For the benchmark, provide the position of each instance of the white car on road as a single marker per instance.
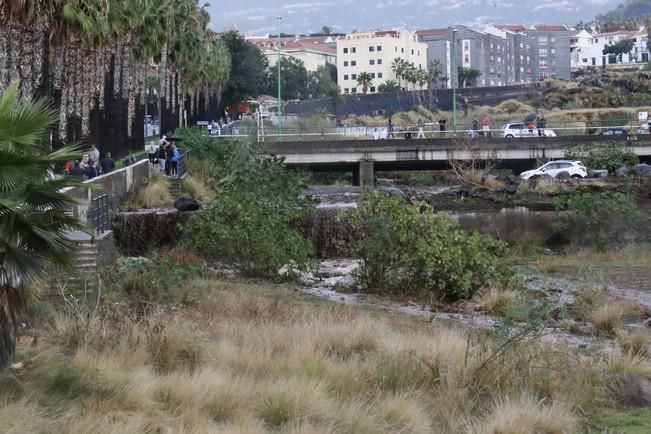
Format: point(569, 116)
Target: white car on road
point(575, 169)
point(521, 130)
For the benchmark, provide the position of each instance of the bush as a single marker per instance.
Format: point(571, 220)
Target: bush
point(253, 225)
point(408, 250)
point(596, 212)
point(610, 157)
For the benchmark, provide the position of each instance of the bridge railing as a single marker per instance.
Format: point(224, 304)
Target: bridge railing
point(430, 130)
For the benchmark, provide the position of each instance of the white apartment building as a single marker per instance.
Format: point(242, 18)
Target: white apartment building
point(586, 49)
point(374, 52)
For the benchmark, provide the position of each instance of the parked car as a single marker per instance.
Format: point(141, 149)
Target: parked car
point(521, 130)
point(575, 169)
point(614, 131)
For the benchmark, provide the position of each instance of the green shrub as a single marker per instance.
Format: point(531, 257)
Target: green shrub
point(609, 156)
point(596, 212)
point(406, 249)
point(253, 225)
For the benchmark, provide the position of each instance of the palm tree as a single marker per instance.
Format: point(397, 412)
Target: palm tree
point(389, 86)
point(398, 66)
point(33, 223)
point(365, 80)
point(434, 72)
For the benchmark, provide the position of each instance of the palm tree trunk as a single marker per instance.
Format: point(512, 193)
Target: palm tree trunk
point(11, 309)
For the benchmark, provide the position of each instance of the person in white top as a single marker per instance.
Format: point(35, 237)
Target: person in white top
point(93, 155)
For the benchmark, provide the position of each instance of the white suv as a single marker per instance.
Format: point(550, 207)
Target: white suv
point(520, 130)
point(575, 169)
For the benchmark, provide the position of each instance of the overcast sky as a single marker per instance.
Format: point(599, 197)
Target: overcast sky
point(259, 16)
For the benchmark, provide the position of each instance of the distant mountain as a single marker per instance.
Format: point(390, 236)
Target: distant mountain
point(630, 9)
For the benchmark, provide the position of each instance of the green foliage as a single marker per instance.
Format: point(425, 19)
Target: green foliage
point(159, 278)
point(596, 212)
point(408, 250)
point(322, 83)
point(622, 47)
point(389, 86)
point(364, 80)
point(293, 79)
point(468, 75)
point(248, 70)
point(608, 156)
point(203, 147)
point(252, 225)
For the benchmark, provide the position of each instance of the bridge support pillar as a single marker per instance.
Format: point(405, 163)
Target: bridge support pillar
point(365, 176)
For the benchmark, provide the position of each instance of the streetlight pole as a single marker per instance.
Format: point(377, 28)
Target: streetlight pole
point(279, 109)
point(455, 75)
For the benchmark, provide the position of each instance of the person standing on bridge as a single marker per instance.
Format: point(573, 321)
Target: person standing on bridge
point(390, 130)
point(541, 124)
point(442, 123)
point(486, 125)
point(421, 129)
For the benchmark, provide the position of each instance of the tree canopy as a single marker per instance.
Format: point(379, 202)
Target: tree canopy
point(468, 75)
point(293, 79)
point(321, 83)
point(622, 47)
point(248, 69)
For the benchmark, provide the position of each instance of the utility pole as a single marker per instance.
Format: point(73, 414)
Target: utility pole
point(455, 75)
point(280, 104)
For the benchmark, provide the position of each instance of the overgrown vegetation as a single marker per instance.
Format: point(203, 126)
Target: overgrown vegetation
point(596, 212)
point(609, 156)
point(407, 249)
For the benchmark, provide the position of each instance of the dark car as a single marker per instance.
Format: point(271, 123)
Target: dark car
point(616, 131)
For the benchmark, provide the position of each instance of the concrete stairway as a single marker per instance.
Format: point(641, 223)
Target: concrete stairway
point(85, 263)
point(176, 187)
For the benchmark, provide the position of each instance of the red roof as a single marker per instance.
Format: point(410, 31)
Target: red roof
point(314, 46)
point(511, 27)
point(554, 28)
point(387, 32)
point(432, 32)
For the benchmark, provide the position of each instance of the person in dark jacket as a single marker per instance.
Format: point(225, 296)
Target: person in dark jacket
point(162, 156)
point(108, 164)
point(91, 172)
point(541, 124)
point(169, 153)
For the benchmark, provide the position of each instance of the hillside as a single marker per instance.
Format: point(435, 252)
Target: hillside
point(628, 10)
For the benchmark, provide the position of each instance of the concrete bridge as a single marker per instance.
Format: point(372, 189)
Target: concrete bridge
point(363, 157)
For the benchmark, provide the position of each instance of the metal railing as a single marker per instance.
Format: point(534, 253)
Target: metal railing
point(98, 215)
point(431, 130)
point(181, 168)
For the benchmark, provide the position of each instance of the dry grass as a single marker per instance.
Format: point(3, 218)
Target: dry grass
point(197, 189)
point(258, 358)
point(526, 415)
point(156, 194)
point(607, 317)
point(497, 301)
point(635, 341)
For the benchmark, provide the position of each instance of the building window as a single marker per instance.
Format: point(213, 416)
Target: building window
point(345, 77)
point(346, 90)
point(353, 90)
point(412, 51)
point(345, 63)
point(379, 75)
point(371, 62)
point(372, 74)
point(543, 63)
point(542, 42)
point(372, 89)
point(353, 50)
point(353, 77)
point(402, 50)
point(353, 63)
point(371, 48)
point(379, 48)
point(552, 51)
point(345, 50)
point(542, 75)
point(552, 40)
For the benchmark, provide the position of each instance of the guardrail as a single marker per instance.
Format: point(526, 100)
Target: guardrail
point(429, 131)
point(181, 168)
point(98, 214)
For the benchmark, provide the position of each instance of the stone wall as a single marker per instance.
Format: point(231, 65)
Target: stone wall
point(118, 185)
point(393, 102)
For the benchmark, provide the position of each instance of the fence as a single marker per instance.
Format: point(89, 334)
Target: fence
point(98, 214)
point(431, 130)
point(181, 168)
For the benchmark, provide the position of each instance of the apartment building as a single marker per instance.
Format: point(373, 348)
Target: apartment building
point(312, 51)
point(374, 53)
point(503, 54)
point(586, 49)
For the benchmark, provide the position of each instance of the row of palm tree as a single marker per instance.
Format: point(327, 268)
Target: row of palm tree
point(408, 72)
point(71, 47)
